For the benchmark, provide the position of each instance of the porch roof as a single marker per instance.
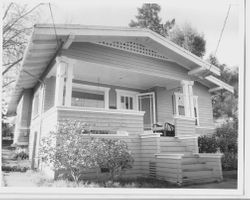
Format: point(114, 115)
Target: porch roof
point(44, 46)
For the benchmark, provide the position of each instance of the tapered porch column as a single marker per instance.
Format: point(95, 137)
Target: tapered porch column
point(64, 76)
point(187, 87)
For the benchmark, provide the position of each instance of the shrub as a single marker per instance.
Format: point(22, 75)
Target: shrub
point(225, 140)
point(113, 156)
point(227, 136)
point(67, 150)
point(70, 150)
point(229, 161)
point(207, 144)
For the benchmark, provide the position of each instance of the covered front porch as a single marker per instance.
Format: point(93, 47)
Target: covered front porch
point(120, 99)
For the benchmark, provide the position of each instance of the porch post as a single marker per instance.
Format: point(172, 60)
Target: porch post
point(60, 81)
point(188, 98)
point(69, 77)
point(64, 76)
point(191, 100)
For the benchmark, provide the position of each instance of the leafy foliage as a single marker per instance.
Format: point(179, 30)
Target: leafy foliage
point(148, 18)
point(207, 144)
point(113, 155)
point(69, 150)
point(225, 104)
point(224, 140)
point(188, 38)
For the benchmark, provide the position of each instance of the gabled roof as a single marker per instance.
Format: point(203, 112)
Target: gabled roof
point(44, 46)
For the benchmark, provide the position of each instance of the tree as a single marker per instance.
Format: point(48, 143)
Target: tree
point(188, 38)
point(17, 25)
point(18, 20)
point(148, 18)
point(225, 104)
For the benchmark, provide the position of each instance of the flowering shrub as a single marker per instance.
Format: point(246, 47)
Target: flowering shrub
point(69, 149)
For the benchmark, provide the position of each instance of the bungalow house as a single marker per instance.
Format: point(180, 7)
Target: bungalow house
point(123, 80)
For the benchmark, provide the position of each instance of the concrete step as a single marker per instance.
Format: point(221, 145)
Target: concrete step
point(188, 181)
point(171, 143)
point(173, 149)
point(189, 160)
point(195, 167)
point(206, 173)
point(185, 153)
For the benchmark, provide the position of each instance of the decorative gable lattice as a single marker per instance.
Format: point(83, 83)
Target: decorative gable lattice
point(133, 47)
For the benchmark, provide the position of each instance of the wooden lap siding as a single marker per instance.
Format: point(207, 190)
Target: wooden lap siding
point(184, 127)
point(205, 109)
point(131, 123)
point(148, 151)
point(104, 120)
point(117, 58)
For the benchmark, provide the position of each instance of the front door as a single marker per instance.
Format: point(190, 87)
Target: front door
point(146, 102)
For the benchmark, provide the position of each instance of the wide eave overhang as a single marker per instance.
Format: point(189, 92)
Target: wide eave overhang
point(44, 46)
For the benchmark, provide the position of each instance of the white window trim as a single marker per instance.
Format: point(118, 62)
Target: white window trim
point(95, 88)
point(128, 93)
point(154, 109)
point(177, 94)
point(186, 117)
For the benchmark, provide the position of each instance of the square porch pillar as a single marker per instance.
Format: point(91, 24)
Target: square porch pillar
point(64, 76)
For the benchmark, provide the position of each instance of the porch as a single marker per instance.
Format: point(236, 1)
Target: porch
point(112, 98)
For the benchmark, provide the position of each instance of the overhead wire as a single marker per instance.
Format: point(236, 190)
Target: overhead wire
point(220, 37)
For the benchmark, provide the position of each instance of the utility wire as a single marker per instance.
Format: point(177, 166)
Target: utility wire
point(221, 34)
point(57, 40)
point(224, 25)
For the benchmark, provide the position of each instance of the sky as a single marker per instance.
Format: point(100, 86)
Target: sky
point(206, 16)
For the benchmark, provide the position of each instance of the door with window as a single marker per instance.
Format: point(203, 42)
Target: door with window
point(146, 103)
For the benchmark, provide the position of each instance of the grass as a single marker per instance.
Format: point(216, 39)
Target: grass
point(120, 183)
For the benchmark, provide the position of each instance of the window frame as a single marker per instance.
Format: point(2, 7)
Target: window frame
point(195, 104)
point(93, 88)
point(126, 93)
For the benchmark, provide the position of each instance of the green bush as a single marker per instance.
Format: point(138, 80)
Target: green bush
point(207, 144)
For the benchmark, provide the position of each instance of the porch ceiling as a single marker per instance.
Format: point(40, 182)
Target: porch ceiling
point(98, 73)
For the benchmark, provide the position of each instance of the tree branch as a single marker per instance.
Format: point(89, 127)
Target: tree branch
point(7, 10)
point(8, 83)
point(9, 67)
point(22, 16)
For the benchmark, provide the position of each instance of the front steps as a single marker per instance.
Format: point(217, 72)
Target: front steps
point(192, 167)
